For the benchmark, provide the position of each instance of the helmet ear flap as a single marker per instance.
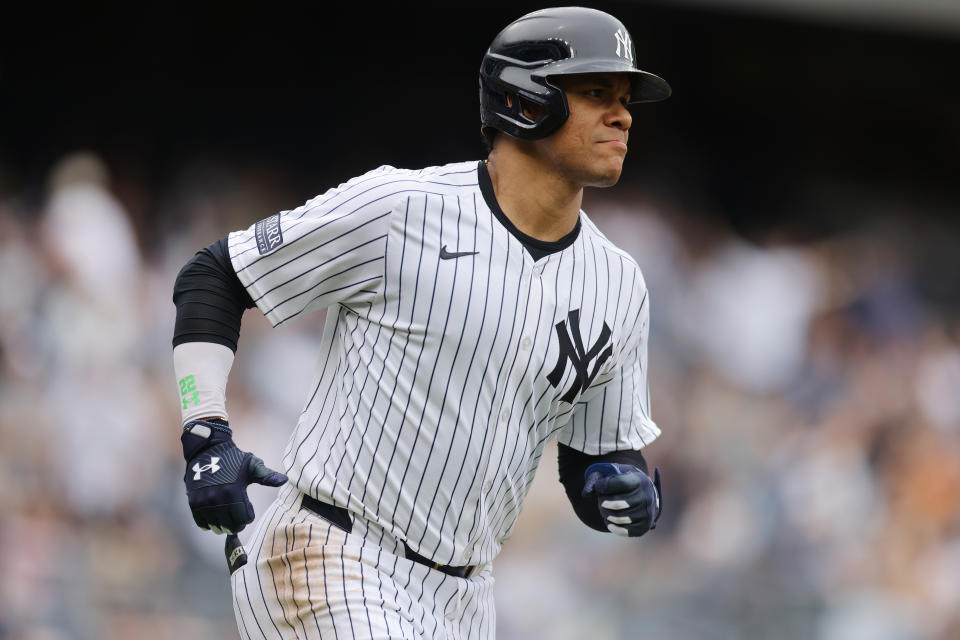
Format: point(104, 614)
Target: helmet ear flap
point(520, 113)
point(523, 108)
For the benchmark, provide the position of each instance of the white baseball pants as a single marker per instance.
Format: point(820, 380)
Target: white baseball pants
point(306, 578)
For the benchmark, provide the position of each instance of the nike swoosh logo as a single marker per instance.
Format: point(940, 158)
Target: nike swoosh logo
point(446, 255)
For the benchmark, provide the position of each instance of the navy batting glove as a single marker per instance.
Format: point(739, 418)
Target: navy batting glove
point(629, 501)
point(217, 477)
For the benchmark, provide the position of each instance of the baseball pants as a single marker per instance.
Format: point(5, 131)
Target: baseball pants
point(306, 578)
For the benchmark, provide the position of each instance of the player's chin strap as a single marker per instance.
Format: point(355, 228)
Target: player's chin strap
point(236, 554)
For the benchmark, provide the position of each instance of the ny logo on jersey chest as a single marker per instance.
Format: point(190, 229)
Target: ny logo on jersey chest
point(572, 349)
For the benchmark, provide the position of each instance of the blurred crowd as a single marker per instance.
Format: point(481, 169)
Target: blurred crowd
point(808, 392)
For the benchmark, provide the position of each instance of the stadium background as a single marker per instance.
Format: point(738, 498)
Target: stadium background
point(794, 207)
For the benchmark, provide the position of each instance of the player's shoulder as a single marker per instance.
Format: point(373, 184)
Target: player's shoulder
point(615, 255)
point(455, 174)
point(386, 188)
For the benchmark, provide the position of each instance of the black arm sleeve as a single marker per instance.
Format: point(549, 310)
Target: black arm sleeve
point(573, 463)
point(210, 299)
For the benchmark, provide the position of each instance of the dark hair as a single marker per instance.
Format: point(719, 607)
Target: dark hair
point(489, 135)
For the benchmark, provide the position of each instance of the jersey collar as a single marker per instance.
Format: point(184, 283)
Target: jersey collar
point(535, 247)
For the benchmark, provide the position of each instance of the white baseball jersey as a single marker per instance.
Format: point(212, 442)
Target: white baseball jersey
point(449, 356)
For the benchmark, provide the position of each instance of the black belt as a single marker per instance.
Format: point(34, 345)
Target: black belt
point(340, 517)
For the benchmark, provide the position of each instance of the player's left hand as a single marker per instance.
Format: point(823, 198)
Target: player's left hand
point(217, 477)
point(629, 501)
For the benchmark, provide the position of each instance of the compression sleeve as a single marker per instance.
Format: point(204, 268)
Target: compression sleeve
point(573, 463)
point(210, 299)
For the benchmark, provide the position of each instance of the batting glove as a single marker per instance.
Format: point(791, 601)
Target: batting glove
point(628, 499)
point(217, 477)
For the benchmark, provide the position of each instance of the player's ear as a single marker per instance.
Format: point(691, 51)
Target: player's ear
point(531, 110)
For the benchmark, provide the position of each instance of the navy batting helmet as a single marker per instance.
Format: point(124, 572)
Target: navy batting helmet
point(529, 52)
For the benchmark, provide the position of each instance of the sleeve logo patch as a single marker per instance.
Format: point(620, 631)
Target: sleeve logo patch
point(268, 234)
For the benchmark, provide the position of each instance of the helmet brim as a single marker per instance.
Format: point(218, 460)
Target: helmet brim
point(647, 87)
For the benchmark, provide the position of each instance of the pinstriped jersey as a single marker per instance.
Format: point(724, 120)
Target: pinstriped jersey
point(449, 356)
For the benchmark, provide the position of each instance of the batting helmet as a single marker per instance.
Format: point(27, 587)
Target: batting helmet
point(529, 52)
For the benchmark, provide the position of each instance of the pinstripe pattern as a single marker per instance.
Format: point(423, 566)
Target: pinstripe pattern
point(338, 585)
point(431, 405)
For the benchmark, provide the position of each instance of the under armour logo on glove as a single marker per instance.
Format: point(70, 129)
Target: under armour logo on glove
point(629, 501)
point(217, 490)
point(213, 467)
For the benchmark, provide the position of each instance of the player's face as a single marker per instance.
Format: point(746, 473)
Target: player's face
point(590, 146)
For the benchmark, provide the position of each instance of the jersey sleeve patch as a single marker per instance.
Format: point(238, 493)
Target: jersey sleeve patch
point(268, 233)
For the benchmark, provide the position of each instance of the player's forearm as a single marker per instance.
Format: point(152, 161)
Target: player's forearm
point(202, 369)
point(210, 302)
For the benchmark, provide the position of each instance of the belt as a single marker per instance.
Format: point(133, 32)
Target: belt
point(340, 517)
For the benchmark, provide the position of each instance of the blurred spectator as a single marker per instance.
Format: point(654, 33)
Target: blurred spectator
point(749, 310)
point(102, 422)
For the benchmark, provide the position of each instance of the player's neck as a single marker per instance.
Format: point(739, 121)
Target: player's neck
point(539, 202)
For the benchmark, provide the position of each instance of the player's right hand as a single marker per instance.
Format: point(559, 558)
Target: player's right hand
point(218, 474)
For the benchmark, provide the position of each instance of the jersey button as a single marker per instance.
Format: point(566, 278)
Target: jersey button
point(538, 270)
point(526, 343)
point(505, 416)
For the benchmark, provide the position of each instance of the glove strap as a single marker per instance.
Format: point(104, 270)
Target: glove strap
point(199, 434)
point(656, 485)
point(214, 424)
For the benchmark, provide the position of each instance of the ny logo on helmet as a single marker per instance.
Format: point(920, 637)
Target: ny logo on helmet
point(623, 38)
point(572, 350)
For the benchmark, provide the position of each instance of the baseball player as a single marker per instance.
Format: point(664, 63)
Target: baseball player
point(474, 312)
